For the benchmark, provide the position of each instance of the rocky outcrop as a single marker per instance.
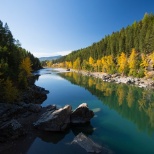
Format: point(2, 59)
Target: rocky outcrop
point(81, 114)
point(87, 143)
point(54, 119)
point(31, 107)
point(11, 130)
point(35, 94)
point(16, 118)
point(7, 111)
point(11, 116)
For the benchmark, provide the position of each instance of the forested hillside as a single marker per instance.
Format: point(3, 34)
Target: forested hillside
point(16, 65)
point(129, 51)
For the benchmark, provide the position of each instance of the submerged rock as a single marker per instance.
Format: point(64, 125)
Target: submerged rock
point(81, 114)
point(95, 110)
point(87, 143)
point(54, 120)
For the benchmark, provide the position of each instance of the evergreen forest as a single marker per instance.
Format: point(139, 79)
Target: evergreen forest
point(16, 65)
point(129, 51)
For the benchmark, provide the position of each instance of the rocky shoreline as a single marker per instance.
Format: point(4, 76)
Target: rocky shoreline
point(117, 78)
point(27, 119)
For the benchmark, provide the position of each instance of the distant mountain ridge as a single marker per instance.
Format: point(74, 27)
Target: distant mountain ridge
point(50, 58)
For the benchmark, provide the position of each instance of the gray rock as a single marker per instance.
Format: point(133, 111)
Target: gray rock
point(115, 75)
point(34, 107)
point(11, 130)
point(81, 114)
point(35, 94)
point(54, 120)
point(4, 108)
point(87, 143)
point(29, 107)
point(106, 77)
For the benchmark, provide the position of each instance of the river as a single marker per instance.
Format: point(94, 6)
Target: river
point(123, 121)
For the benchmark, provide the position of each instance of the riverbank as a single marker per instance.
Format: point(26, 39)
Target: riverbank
point(22, 122)
point(16, 118)
point(117, 78)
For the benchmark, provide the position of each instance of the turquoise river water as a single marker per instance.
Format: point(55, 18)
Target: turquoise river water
point(123, 121)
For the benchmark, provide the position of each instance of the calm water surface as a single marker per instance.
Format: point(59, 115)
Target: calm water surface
point(124, 115)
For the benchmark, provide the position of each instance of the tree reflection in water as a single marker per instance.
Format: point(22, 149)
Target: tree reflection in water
point(133, 103)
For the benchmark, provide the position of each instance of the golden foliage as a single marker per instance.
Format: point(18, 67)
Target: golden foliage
point(26, 66)
point(25, 72)
point(76, 63)
point(108, 64)
point(122, 63)
point(91, 61)
point(132, 62)
point(10, 92)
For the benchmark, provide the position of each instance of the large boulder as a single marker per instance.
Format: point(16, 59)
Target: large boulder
point(54, 119)
point(81, 114)
point(87, 143)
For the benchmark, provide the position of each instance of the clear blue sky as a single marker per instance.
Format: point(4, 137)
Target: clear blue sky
point(53, 27)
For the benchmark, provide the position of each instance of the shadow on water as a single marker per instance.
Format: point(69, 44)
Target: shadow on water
point(55, 137)
point(87, 129)
point(52, 137)
point(24, 143)
point(20, 146)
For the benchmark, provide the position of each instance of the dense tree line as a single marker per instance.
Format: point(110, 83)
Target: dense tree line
point(16, 65)
point(129, 51)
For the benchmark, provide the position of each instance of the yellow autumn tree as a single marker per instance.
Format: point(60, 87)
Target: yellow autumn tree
point(122, 63)
point(151, 58)
point(49, 64)
point(25, 72)
point(70, 64)
point(91, 63)
point(26, 66)
point(11, 93)
point(108, 64)
point(85, 65)
point(143, 65)
point(132, 63)
point(67, 64)
point(99, 65)
point(76, 64)
point(104, 64)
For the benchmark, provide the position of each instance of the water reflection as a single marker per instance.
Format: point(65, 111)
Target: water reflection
point(87, 129)
point(55, 137)
point(133, 103)
point(52, 137)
